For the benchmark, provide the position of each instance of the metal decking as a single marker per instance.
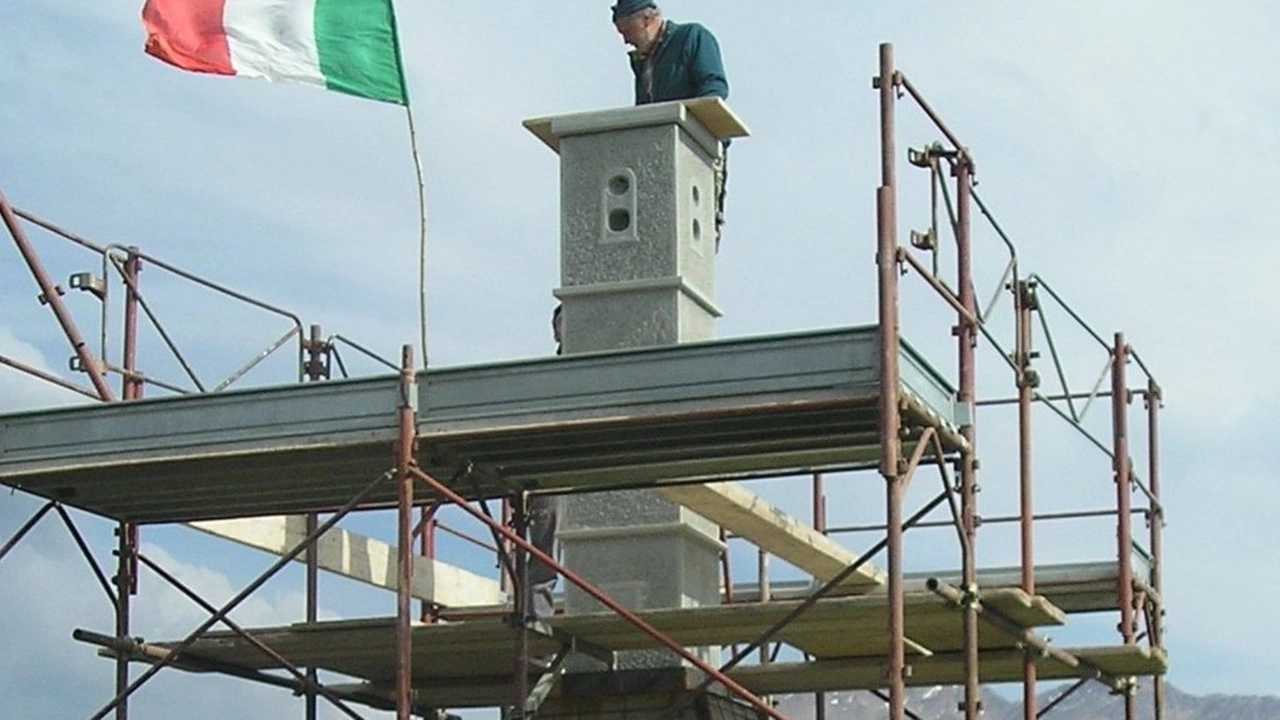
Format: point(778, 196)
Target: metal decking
point(720, 409)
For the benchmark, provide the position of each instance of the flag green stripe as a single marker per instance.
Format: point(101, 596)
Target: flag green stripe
point(356, 40)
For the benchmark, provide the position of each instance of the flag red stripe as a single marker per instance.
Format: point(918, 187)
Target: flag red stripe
point(188, 34)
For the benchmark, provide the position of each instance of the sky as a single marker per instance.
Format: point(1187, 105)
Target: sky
point(1123, 146)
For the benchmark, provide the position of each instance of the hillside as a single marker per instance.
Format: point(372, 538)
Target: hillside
point(1092, 702)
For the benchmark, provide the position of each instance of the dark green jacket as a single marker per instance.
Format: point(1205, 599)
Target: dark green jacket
point(685, 63)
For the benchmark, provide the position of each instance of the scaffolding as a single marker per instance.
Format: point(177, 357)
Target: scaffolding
point(848, 400)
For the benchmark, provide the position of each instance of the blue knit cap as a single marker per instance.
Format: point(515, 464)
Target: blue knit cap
point(627, 8)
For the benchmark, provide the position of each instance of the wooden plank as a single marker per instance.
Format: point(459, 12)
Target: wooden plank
point(712, 113)
point(1024, 609)
point(749, 516)
point(459, 659)
point(861, 620)
point(1071, 587)
point(995, 666)
point(1125, 659)
point(865, 673)
point(359, 558)
point(717, 117)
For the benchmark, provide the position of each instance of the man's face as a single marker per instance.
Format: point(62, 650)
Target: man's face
point(636, 30)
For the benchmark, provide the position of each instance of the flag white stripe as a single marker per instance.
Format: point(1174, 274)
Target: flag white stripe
point(273, 39)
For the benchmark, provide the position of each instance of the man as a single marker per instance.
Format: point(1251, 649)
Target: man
point(544, 511)
point(674, 61)
point(544, 520)
point(671, 61)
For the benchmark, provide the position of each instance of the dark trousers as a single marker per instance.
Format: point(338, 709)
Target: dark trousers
point(722, 182)
point(544, 519)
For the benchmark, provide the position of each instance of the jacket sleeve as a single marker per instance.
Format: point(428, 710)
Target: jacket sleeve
point(706, 69)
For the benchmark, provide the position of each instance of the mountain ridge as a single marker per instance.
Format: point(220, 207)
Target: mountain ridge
point(1091, 701)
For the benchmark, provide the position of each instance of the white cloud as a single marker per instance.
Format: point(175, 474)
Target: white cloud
point(22, 391)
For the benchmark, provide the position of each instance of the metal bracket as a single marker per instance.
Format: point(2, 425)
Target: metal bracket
point(76, 365)
point(44, 299)
point(1128, 686)
point(923, 158)
point(924, 240)
point(89, 282)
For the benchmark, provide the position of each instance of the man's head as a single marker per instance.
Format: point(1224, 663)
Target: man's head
point(638, 22)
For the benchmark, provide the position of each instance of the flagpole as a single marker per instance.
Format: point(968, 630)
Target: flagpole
point(422, 193)
point(422, 236)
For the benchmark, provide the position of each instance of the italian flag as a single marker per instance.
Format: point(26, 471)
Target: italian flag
point(344, 45)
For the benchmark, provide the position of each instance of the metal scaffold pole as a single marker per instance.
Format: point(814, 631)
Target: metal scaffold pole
point(890, 442)
point(51, 295)
point(967, 337)
point(1156, 520)
point(128, 537)
point(1024, 299)
point(408, 410)
point(1124, 503)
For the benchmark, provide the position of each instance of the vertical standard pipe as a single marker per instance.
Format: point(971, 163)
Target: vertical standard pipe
point(408, 406)
point(132, 388)
point(724, 566)
point(124, 582)
point(819, 524)
point(890, 442)
point(1024, 300)
point(504, 552)
point(133, 385)
point(1154, 400)
point(1123, 480)
point(53, 295)
point(766, 593)
point(1124, 529)
point(313, 602)
point(316, 366)
point(315, 369)
point(427, 549)
point(967, 334)
point(523, 609)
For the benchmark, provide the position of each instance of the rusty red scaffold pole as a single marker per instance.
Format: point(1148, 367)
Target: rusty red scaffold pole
point(890, 442)
point(1156, 520)
point(128, 537)
point(52, 294)
point(1024, 300)
point(1124, 503)
point(407, 411)
point(967, 340)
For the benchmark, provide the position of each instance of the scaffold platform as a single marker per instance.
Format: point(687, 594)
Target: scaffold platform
point(844, 637)
point(712, 410)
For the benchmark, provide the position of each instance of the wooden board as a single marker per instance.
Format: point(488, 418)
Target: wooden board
point(716, 116)
point(365, 649)
point(360, 558)
point(712, 113)
point(749, 516)
point(995, 666)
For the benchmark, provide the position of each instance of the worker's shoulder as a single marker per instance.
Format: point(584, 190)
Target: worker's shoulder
point(688, 30)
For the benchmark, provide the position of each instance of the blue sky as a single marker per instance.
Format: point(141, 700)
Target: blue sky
point(1126, 148)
